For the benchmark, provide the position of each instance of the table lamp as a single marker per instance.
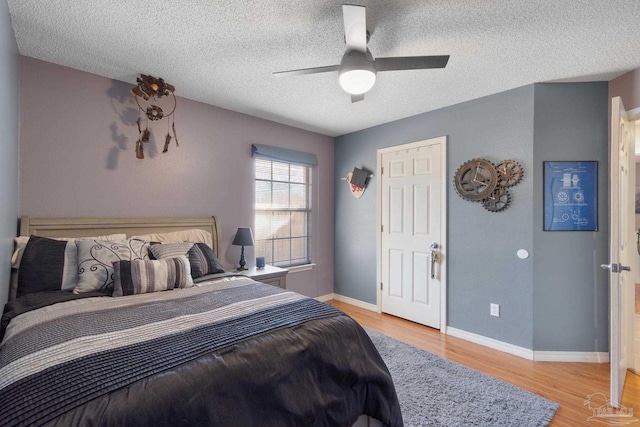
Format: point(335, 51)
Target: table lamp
point(243, 238)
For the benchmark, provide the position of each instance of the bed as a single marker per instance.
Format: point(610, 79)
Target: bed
point(185, 344)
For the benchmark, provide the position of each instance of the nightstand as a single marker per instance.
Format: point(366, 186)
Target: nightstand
point(270, 275)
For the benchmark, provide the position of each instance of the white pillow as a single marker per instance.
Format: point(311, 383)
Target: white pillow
point(192, 235)
point(96, 258)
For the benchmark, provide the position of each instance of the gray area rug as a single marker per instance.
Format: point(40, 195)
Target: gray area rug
point(437, 392)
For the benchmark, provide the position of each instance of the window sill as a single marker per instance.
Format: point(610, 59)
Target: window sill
point(299, 268)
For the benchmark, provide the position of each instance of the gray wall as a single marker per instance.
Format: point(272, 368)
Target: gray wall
point(77, 158)
point(571, 290)
point(483, 266)
point(8, 146)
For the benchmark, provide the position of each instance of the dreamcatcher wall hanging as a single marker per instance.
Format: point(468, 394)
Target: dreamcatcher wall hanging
point(151, 95)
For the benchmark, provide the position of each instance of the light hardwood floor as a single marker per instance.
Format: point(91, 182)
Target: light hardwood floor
point(568, 384)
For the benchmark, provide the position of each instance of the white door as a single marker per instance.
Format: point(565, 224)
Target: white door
point(412, 231)
point(621, 228)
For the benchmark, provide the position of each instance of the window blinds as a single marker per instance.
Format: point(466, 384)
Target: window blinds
point(278, 154)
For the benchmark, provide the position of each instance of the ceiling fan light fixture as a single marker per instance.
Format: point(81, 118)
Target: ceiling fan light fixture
point(357, 82)
point(357, 73)
point(357, 70)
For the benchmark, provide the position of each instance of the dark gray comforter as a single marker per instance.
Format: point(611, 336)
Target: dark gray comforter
point(231, 352)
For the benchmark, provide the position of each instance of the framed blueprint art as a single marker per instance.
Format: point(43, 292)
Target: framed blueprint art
point(571, 196)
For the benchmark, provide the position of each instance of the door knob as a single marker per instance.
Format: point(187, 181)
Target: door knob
point(434, 258)
point(615, 267)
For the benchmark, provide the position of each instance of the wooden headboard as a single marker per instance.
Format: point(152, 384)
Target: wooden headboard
point(83, 227)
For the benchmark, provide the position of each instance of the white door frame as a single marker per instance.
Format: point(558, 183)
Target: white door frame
point(621, 331)
point(443, 215)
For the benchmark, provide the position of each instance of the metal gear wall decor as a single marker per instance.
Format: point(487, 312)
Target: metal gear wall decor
point(498, 200)
point(476, 179)
point(509, 173)
point(148, 94)
point(479, 180)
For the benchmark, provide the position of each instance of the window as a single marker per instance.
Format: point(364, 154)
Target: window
point(283, 212)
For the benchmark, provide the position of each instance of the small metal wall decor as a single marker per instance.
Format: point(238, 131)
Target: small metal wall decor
point(357, 181)
point(479, 180)
point(148, 94)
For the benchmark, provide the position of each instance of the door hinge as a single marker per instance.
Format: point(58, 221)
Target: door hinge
point(381, 228)
point(381, 170)
point(381, 286)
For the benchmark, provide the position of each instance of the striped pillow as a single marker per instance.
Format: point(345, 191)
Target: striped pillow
point(201, 258)
point(143, 276)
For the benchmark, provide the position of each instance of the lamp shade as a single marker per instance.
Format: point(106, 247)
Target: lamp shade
point(244, 237)
point(357, 72)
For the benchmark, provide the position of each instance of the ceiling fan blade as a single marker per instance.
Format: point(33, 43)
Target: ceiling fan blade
point(411, 62)
point(356, 98)
point(355, 27)
point(302, 71)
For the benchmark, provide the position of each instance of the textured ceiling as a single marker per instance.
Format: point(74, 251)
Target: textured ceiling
point(223, 52)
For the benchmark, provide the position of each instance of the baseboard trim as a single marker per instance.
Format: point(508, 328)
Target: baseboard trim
point(525, 353)
point(356, 302)
point(491, 343)
point(325, 298)
point(537, 356)
point(571, 356)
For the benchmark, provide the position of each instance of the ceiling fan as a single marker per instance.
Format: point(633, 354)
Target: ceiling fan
point(357, 70)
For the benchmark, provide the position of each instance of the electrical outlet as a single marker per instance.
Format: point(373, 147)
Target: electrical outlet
point(495, 309)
